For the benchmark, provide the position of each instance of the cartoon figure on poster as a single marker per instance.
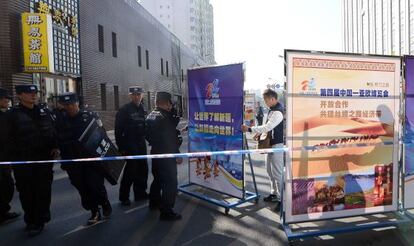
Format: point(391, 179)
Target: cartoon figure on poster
point(215, 115)
point(212, 89)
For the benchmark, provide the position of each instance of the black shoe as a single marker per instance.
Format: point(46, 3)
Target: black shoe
point(8, 216)
point(35, 230)
point(29, 227)
point(153, 205)
point(277, 207)
point(95, 218)
point(126, 203)
point(271, 198)
point(170, 216)
point(106, 209)
point(141, 197)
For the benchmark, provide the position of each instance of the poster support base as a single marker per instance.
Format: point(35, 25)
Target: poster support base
point(316, 231)
point(409, 213)
point(249, 196)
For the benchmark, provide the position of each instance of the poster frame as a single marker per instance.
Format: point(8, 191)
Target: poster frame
point(289, 138)
point(243, 190)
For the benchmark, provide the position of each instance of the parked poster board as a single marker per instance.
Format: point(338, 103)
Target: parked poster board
point(215, 97)
point(249, 109)
point(409, 133)
point(339, 99)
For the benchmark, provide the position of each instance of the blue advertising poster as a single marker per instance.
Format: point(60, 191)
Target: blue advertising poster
point(409, 132)
point(215, 101)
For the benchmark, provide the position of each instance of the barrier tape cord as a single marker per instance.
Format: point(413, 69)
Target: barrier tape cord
point(205, 153)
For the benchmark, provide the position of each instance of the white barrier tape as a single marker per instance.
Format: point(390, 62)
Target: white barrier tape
point(203, 154)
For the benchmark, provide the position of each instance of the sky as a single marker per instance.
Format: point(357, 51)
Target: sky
point(257, 32)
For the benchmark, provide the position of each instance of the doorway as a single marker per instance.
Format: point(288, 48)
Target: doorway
point(52, 86)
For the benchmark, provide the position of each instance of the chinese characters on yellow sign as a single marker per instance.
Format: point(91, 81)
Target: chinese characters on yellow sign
point(37, 40)
point(59, 17)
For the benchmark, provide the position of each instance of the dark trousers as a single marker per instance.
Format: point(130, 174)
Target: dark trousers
point(34, 183)
point(6, 189)
point(259, 121)
point(88, 179)
point(135, 174)
point(164, 187)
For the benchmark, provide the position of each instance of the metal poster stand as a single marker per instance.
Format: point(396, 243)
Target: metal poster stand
point(401, 216)
point(405, 210)
point(248, 196)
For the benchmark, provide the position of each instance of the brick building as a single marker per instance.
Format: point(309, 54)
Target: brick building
point(100, 47)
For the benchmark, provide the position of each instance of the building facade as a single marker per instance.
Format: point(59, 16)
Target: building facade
point(383, 27)
point(100, 47)
point(191, 20)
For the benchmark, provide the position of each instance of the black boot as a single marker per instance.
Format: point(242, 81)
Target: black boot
point(8, 217)
point(141, 197)
point(126, 203)
point(170, 216)
point(152, 205)
point(106, 209)
point(35, 230)
point(95, 217)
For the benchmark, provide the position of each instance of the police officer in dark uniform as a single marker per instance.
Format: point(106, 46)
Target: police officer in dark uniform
point(6, 179)
point(88, 178)
point(33, 138)
point(130, 133)
point(164, 138)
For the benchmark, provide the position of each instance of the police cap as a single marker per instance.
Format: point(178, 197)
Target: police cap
point(163, 96)
point(68, 98)
point(4, 93)
point(26, 89)
point(135, 90)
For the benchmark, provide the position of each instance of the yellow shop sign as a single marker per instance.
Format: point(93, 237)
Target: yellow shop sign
point(37, 43)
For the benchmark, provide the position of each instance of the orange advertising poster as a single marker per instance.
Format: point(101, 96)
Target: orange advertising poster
point(342, 123)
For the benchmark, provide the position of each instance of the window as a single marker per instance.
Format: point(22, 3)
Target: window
point(114, 50)
point(100, 38)
point(162, 66)
point(103, 97)
point(147, 58)
point(139, 56)
point(166, 67)
point(116, 97)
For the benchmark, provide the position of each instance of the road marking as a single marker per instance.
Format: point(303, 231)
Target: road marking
point(136, 208)
point(179, 226)
point(196, 238)
point(150, 222)
point(83, 227)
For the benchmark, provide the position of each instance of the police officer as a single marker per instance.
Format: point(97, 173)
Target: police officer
point(164, 138)
point(6, 179)
point(88, 178)
point(130, 137)
point(33, 138)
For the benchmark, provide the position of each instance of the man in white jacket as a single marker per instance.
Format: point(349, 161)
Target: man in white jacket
point(274, 161)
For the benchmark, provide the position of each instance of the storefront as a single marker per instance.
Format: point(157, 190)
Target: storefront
point(54, 60)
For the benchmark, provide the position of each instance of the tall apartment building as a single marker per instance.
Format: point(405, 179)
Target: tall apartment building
point(378, 26)
point(190, 20)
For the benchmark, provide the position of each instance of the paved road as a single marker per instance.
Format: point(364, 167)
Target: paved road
point(202, 223)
